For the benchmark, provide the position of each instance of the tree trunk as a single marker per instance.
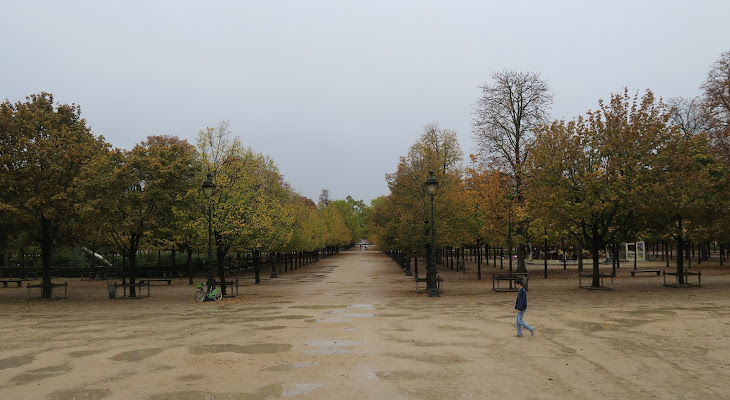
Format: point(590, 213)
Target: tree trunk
point(46, 258)
point(680, 251)
point(132, 270)
point(124, 267)
point(596, 254)
point(722, 256)
point(579, 250)
point(521, 253)
point(257, 265)
point(189, 265)
point(172, 266)
point(479, 261)
point(449, 256)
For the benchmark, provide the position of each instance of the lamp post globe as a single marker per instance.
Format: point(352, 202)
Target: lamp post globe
point(432, 185)
point(208, 185)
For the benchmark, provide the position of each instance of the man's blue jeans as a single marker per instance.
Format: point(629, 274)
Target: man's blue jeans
point(521, 323)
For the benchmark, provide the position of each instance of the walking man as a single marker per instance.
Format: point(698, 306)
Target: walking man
point(521, 307)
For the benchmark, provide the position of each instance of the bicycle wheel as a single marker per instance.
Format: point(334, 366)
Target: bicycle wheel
point(199, 296)
point(217, 296)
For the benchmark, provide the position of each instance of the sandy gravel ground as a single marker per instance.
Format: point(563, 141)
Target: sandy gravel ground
point(351, 327)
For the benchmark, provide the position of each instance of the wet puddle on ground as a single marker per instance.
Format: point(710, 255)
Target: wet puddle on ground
point(136, 355)
point(264, 348)
point(191, 377)
point(359, 315)
point(42, 373)
point(84, 353)
point(396, 375)
point(13, 362)
point(288, 390)
point(362, 306)
point(332, 320)
point(267, 392)
point(391, 315)
point(318, 307)
point(288, 367)
point(195, 395)
point(275, 318)
point(425, 358)
point(270, 328)
point(85, 394)
point(318, 347)
point(296, 389)
point(332, 343)
point(344, 313)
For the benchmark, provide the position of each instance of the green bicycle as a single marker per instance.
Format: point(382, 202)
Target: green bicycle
point(202, 294)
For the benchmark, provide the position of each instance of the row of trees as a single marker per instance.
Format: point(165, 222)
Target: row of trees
point(635, 167)
point(61, 186)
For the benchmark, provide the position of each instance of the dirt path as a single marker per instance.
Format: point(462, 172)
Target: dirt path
point(350, 327)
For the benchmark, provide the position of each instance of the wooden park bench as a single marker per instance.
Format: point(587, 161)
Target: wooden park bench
point(89, 275)
point(589, 276)
point(99, 274)
point(6, 281)
point(497, 279)
point(150, 280)
point(439, 283)
point(138, 285)
point(52, 286)
point(686, 275)
point(417, 279)
point(646, 271)
point(232, 285)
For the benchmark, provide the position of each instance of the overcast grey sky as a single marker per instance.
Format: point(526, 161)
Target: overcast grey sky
point(336, 91)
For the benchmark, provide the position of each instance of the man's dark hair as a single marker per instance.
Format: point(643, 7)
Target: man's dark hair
point(518, 282)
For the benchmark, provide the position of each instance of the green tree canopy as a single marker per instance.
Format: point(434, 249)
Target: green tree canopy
point(43, 148)
point(249, 203)
point(400, 220)
point(591, 176)
point(133, 194)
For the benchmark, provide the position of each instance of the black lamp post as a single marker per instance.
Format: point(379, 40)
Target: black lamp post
point(432, 185)
point(208, 187)
point(545, 250)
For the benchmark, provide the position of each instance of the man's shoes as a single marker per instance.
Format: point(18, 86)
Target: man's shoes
point(518, 335)
point(532, 332)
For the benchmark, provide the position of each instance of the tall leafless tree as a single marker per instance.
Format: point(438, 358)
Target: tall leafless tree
point(717, 102)
point(689, 114)
point(505, 115)
point(324, 198)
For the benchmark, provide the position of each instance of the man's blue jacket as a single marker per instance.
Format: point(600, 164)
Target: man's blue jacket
point(521, 300)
